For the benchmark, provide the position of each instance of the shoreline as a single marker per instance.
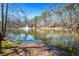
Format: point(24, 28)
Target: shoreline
point(28, 51)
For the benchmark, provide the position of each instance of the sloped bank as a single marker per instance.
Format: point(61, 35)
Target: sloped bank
point(26, 49)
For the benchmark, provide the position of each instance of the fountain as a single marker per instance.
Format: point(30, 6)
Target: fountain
point(25, 28)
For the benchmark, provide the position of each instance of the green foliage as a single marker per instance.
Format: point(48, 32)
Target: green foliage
point(45, 15)
point(69, 51)
point(18, 41)
point(34, 20)
point(7, 44)
point(43, 38)
point(58, 43)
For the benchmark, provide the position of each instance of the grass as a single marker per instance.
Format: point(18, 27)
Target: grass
point(7, 44)
point(37, 36)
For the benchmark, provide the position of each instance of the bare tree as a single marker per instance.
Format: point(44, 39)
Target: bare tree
point(1, 34)
point(5, 24)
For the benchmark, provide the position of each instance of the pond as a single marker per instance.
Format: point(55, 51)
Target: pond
point(56, 38)
point(24, 38)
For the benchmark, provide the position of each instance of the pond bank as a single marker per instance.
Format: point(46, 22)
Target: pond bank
point(28, 51)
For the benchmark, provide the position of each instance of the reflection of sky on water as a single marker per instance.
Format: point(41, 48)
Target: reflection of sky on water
point(66, 39)
point(28, 38)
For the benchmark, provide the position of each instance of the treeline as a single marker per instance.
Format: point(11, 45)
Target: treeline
point(65, 17)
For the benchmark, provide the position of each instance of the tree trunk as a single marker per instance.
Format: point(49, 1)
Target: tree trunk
point(5, 20)
point(3, 24)
point(1, 34)
point(2, 7)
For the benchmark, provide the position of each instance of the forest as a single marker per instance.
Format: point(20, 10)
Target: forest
point(55, 28)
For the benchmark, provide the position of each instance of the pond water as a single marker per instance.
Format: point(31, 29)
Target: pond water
point(67, 39)
point(24, 38)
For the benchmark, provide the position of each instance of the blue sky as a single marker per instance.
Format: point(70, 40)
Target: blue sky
point(34, 9)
